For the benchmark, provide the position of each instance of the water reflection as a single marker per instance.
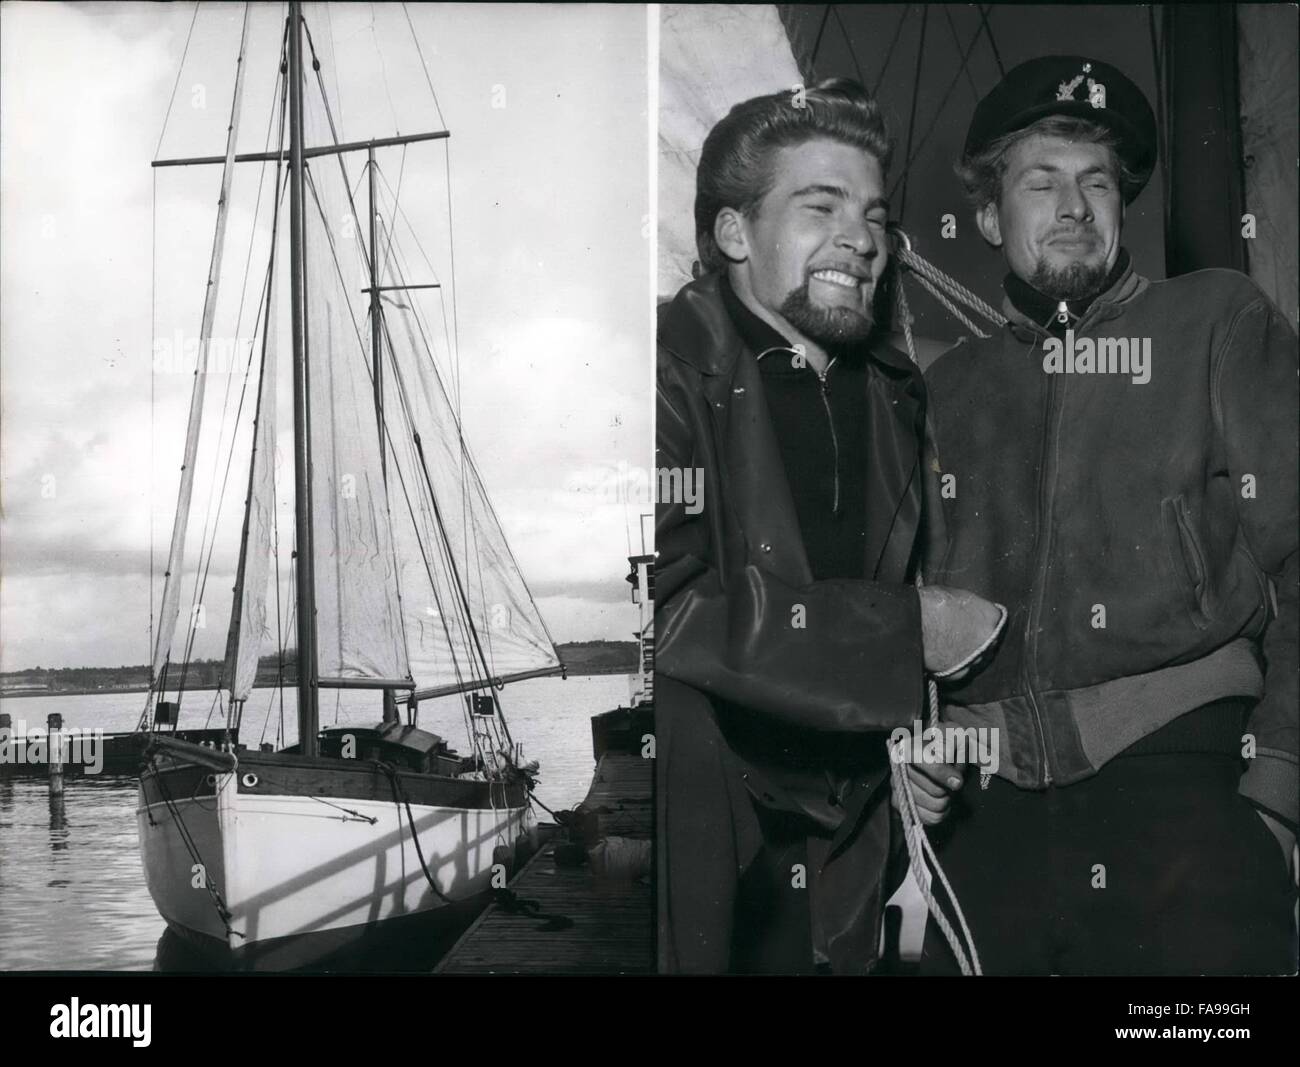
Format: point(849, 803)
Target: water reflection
point(58, 821)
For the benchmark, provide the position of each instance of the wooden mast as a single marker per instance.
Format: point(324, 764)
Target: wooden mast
point(308, 715)
point(376, 358)
point(296, 154)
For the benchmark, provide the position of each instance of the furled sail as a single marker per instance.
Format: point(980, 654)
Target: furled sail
point(170, 608)
point(462, 590)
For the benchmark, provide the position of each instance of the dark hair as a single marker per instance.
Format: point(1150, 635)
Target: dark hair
point(736, 162)
point(981, 174)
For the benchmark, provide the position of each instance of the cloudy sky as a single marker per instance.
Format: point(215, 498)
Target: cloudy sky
point(101, 256)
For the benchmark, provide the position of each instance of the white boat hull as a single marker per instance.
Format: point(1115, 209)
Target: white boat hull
point(295, 870)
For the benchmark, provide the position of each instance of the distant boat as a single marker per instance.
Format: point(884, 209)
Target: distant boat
point(404, 587)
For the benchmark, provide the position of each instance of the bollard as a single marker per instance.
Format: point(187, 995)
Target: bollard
point(55, 749)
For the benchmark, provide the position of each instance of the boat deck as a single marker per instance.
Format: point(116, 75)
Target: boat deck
point(613, 921)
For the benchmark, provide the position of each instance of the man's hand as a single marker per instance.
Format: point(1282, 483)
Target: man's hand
point(1284, 836)
point(955, 624)
point(933, 786)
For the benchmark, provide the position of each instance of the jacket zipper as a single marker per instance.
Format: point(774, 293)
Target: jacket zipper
point(1046, 477)
point(1046, 472)
point(835, 441)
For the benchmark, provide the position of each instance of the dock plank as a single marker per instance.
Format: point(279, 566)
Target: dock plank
point(613, 921)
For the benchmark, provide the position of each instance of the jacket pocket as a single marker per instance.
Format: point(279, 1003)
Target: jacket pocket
point(1182, 532)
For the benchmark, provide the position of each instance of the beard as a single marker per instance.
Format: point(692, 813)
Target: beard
point(1075, 281)
point(825, 325)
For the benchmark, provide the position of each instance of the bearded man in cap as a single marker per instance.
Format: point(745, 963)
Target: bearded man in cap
point(1120, 464)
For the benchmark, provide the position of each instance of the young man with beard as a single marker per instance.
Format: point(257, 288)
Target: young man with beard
point(789, 636)
point(1122, 464)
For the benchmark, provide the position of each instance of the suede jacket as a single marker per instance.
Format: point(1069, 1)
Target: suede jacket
point(1129, 492)
point(791, 676)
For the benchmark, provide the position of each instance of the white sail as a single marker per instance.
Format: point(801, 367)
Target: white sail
point(491, 592)
point(358, 619)
point(711, 57)
point(248, 627)
point(171, 598)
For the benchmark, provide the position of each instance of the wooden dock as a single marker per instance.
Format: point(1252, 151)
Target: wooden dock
point(612, 920)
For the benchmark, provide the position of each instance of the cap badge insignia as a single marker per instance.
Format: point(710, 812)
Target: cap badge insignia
point(1065, 91)
point(1096, 90)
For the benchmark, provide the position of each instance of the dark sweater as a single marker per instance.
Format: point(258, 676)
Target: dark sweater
point(820, 426)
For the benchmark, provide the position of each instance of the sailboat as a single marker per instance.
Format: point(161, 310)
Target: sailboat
point(404, 587)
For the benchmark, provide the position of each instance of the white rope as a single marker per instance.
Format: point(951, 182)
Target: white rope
point(952, 308)
point(920, 853)
point(928, 272)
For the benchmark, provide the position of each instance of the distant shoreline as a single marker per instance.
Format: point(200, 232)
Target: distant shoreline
point(581, 673)
point(581, 658)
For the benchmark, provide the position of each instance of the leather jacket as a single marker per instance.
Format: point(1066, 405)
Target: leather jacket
point(801, 711)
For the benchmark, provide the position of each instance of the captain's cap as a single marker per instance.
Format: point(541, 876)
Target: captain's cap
point(1070, 85)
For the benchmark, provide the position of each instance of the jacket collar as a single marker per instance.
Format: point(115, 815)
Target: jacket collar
point(1030, 311)
point(697, 328)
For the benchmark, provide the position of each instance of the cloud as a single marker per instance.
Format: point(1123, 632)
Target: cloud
point(551, 280)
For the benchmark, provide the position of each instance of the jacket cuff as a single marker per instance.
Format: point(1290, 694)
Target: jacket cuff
point(1272, 782)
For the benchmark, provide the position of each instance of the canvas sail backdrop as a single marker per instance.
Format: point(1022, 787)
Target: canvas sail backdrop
point(358, 631)
point(248, 623)
point(711, 57)
point(414, 578)
point(444, 516)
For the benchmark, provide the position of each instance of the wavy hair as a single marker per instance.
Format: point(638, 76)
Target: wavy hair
point(736, 168)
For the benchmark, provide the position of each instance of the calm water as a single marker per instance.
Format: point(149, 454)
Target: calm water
point(72, 892)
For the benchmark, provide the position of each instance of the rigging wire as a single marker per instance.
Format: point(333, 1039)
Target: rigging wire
point(383, 69)
point(489, 667)
point(817, 42)
point(180, 526)
point(466, 620)
point(889, 52)
point(153, 403)
point(209, 517)
point(853, 55)
point(369, 372)
point(1162, 128)
point(986, 18)
point(938, 114)
point(952, 28)
point(334, 62)
point(468, 456)
point(180, 69)
point(469, 531)
point(211, 522)
point(911, 121)
point(420, 51)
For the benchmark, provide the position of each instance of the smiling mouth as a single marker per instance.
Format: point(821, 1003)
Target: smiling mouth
point(838, 277)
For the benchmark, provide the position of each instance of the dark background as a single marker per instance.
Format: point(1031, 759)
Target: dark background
point(933, 62)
